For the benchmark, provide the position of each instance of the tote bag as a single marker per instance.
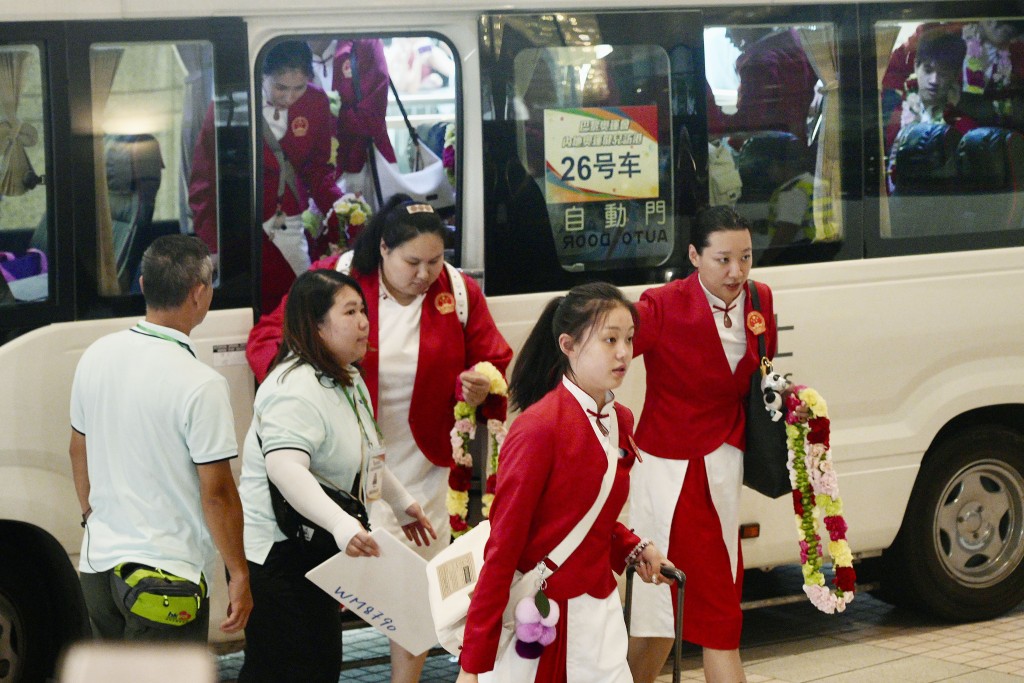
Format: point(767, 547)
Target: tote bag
point(426, 183)
point(764, 461)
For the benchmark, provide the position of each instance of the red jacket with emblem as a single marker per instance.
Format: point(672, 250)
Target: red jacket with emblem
point(446, 349)
point(551, 470)
point(361, 117)
point(694, 403)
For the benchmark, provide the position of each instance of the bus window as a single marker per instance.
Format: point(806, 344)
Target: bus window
point(24, 223)
point(148, 100)
point(588, 126)
point(950, 126)
point(774, 133)
point(352, 122)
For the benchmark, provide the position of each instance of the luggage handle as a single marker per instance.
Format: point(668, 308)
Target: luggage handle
point(679, 577)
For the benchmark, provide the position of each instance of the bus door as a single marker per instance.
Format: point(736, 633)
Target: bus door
point(590, 122)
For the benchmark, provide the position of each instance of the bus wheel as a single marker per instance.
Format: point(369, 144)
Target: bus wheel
point(41, 605)
point(959, 552)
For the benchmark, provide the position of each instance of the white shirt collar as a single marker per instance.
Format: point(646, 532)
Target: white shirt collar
point(715, 301)
point(610, 440)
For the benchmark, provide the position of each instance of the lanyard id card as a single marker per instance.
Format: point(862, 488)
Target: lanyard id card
point(374, 474)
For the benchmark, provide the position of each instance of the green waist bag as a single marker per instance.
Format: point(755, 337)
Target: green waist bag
point(157, 596)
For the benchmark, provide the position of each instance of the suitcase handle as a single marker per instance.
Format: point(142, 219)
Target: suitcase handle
point(679, 578)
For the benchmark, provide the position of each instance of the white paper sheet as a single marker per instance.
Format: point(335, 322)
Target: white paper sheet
point(387, 592)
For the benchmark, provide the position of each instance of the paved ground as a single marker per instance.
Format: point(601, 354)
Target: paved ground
point(871, 642)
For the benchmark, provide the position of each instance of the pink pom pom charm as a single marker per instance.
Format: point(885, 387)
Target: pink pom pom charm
point(536, 618)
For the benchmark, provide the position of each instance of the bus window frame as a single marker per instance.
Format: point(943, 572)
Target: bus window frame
point(844, 19)
point(875, 245)
point(50, 39)
point(228, 35)
point(257, 76)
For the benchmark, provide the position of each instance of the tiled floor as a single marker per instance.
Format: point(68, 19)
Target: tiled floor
point(871, 642)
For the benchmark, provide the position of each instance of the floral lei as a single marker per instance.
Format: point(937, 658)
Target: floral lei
point(352, 212)
point(448, 153)
point(461, 473)
point(984, 64)
point(816, 494)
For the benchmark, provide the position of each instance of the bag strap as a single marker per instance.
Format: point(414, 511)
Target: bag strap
point(765, 364)
point(344, 265)
point(568, 546)
point(286, 175)
point(401, 107)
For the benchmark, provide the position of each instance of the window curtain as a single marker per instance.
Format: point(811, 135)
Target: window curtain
point(198, 61)
point(885, 41)
point(820, 46)
point(15, 136)
point(103, 63)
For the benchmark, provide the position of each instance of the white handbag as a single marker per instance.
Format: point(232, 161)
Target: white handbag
point(452, 574)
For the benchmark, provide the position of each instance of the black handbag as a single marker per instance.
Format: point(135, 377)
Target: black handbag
point(317, 543)
point(764, 461)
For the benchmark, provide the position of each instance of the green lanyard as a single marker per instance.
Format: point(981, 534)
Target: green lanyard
point(359, 420)
point(148, 332)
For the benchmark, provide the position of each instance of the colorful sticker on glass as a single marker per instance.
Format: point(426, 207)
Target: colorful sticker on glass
point(600, 154)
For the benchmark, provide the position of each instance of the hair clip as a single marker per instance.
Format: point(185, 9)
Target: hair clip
point(419, 208)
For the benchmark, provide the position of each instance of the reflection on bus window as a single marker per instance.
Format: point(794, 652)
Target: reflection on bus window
point(774, 132)
point(149, 100)
point(952, 112)
point(346, 123)
point(24, 233)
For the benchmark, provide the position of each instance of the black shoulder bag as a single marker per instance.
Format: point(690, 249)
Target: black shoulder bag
point(764, 462)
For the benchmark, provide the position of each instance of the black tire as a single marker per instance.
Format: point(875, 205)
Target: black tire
point(960, 551)
point(41, 604)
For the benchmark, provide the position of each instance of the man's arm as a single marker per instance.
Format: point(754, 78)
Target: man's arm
point(223, 511)
point(80, 470)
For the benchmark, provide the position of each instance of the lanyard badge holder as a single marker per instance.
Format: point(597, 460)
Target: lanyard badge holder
point(373, 459)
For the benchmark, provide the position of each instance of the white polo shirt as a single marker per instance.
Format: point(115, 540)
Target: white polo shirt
point(150, 413)
point(295, 410)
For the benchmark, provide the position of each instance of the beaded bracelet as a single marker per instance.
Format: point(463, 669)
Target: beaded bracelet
point(635, 553)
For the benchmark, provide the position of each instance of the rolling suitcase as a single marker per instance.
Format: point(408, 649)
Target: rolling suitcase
point(680, 578)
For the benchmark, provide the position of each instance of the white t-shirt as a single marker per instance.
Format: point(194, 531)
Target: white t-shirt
point(150, 413)
point(299, 411)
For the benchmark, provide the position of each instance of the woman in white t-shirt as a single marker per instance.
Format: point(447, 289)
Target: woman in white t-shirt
point(312, 427)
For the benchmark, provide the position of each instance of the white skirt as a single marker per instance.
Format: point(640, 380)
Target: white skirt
point(595, 648)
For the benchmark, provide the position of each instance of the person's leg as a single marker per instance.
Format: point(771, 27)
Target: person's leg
point(405, 666)
point(723, 666)
point(647, 657)
point(107, 622)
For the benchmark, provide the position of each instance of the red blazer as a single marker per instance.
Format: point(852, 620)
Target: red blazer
point(694, 403)
point(551, 471)
point(446, 349)
point(359, 122)
point(307, 145)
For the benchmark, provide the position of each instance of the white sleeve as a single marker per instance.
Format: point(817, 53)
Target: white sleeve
point(395, 495)
point(288, 469)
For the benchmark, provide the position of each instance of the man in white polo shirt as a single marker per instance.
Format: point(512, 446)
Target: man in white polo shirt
point(152, 437)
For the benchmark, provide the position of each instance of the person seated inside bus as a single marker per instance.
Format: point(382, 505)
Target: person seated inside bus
point(777, 84)
point(791, 207)
point(931, 94)
point(992, 72)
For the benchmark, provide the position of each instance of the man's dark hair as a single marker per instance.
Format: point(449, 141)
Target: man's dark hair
point(171, 266)
point(942, 47)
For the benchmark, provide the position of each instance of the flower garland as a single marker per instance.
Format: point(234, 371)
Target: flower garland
point(985, 64)
point(448, 153)
point(816, 494)
point(461, 473)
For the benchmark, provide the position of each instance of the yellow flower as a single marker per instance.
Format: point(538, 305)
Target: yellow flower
point(485, 506)
point(498, 384)
point(815, 403)
point(812, 577)
point(357, 217)
point(792, 432)
point(841, 554)
point(458, 503)
point(833, 507)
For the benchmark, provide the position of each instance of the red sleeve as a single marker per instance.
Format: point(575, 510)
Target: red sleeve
point(265, 340)
point(526, 462)
point(649, 328)
point(316, 169)
point(265, 336)
point(202, 184)
point(367, 116)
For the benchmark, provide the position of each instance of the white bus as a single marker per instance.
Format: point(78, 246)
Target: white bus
point(894, 245)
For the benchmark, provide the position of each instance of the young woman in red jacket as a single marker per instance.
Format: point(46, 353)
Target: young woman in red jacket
point(698, 337)
point(552, 464)
point(419, 356)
